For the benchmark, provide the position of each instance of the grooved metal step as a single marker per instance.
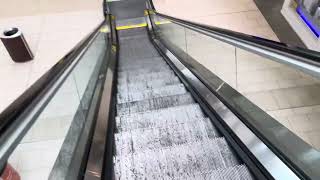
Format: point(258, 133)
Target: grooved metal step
point(140, 65)
point(132, 38)
point(239, 172)
point(153, 104)
point(147, 85)
point(146, 77)
point(159, 118)
point(137, 47)
point(150, 94)
point(135, 72)
point(125, 61)
point(140, 140)
point(177, 161)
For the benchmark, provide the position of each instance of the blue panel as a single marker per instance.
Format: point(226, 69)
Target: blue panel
point(309, 22)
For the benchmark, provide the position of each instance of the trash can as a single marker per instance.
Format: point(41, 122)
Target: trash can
point(16, 45)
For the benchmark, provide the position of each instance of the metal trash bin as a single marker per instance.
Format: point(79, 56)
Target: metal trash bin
point(16, 45)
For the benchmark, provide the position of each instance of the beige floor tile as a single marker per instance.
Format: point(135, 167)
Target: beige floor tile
point(281, 99)
point(284, 121)
point(50, 128)
point(282, 113)
point(14, 160)
point(288, 83)
point(301, 96)
point(305, 137)
point(314, 116)
point(257, 87)
point(303, 110)
point(33, 160)
point(316, 108)
point(26, 7)
point(39, 173)
point(301, 123)
point(315, 139)
point(264, 100)
point(36, 7)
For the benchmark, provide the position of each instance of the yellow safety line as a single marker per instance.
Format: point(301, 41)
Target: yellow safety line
point(105, 29)
point(131, 26)
point(146, 12)
point(140, 25)
point(163, 22)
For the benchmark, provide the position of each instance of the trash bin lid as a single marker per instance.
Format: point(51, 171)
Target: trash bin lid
point(10, 33)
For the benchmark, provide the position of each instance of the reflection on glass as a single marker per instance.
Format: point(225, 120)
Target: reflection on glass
point(175, 33)
point(36, 154)
point(309, 11)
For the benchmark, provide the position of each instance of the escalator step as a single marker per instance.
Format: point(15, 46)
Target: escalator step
point(130, 60)
point(150, 94)
point(136, 50)
point(145, 77)
point(239, 172)
point(178, 162)
point(134, 72)
point(145, 85)
point(153, 104)
point(159, 118)
point(140, 65)
point(141, 140)
point(135, 53)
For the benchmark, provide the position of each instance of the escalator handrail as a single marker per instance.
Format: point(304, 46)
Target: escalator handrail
point(24, 104)
point(303, 59)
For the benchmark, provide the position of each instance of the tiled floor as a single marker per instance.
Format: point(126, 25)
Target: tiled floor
point(52, 28)
point(50, 37)
point(18, 8)
point(237, 15)
point(34, 160)
point(51, 127)
point(37, 152)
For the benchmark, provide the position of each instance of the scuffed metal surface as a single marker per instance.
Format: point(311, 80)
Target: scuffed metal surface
point(155, 93)
point(201, 160)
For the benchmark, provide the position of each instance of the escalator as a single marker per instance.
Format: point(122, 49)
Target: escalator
point(133, 101)
point(161, 131)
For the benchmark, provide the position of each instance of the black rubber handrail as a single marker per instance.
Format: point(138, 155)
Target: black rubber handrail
point(305, 55)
